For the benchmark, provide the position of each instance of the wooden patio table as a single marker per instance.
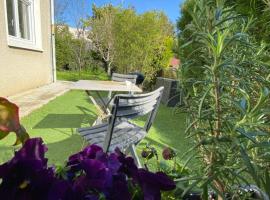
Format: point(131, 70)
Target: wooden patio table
point(97, 86)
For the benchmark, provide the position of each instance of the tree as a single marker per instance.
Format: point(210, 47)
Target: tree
point(80, 45)
point(127, 41)
point(144, 42)
point(72, 45)
point(63, 39)
point(102, 34)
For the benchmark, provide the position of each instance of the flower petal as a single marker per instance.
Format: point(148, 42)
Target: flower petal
point(33, 149)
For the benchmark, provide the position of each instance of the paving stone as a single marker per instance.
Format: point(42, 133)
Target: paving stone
point(33, 99)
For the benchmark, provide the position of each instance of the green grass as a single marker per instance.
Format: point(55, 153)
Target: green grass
point(83, 75)
point(57, 121)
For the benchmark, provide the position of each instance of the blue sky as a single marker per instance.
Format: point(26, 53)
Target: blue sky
point(170, 7)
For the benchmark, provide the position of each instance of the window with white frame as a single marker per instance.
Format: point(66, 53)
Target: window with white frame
point(23, 23)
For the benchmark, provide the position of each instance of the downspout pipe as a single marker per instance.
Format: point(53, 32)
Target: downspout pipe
point(53, 42)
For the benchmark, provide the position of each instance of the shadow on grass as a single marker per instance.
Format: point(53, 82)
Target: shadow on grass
point(67, 120)
point(63, 121)
point(59, 152)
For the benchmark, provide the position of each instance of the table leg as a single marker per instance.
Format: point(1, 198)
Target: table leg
point(103, 111)
point(104, 105)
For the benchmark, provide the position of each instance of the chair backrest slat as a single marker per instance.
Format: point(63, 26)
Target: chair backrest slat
point(137, 105)
point(135, 111)
point(124, 77)
point(137, 101)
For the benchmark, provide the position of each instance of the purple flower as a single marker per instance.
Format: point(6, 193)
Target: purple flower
point(119, 189)
point(33, 149)
point(95, 175)
point(128, 165)
point(101, 174)
point(91, 197)
point(111, 161)
point(153, 183)
point(26, 176)
point(62, 189)
point(89, 152)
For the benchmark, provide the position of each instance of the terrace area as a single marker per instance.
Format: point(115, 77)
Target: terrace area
point(55, 111)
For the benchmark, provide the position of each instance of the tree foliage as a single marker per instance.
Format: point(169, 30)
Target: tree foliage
point(63, 38)
point(72, 51)
point(128, 41)
point(102, 34)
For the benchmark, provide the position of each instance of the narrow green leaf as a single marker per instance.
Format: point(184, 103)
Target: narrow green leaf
point(261, 145)
point(249, 165)
point(267, 182)
point(245, 134)
point(202, 101)
point(190, 187)
point(187, 161)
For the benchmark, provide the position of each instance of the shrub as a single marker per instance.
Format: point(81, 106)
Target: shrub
point(227, 86)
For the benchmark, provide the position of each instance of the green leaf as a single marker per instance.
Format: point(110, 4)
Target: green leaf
point(205, 193)
point(249, 165)
point(187, 161)
point(245, 134)
point(202, 101)
point(267, 182)
point(257, 133)
point(264, 93)
point(261, 145)
point(190, 187)
point(2, 135)
point(186, 44)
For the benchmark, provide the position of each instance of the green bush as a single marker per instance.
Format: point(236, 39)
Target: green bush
point(227, 96)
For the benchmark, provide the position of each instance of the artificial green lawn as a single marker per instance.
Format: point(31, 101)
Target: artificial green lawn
point(57, 121)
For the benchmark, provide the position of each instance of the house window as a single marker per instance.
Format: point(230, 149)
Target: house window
point(23, 23)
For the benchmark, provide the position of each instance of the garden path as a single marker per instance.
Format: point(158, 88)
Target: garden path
point(35, 98)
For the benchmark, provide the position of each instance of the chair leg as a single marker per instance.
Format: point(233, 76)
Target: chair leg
point(132, 150)
point(83, 144)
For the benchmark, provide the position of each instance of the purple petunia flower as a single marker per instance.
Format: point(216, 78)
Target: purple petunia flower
point(153, 183)
point(95, 175)
point(26, 176)
point(119, 188)
point(101, 174)
point(128, 165)
point(89, 152)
